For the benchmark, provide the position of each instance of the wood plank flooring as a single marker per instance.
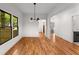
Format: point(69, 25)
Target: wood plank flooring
point(43, 46)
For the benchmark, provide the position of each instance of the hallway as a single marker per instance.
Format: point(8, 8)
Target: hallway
point(43, 46)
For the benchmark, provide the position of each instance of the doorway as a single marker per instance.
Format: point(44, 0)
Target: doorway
point(42, 27)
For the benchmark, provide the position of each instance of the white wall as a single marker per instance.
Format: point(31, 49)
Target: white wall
point(63, 22)
point(60, 8)
point(31, 29)
point(11, 9)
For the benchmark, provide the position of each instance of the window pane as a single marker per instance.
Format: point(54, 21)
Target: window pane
point(7, 19)
point(5, 27)
point(15, 26)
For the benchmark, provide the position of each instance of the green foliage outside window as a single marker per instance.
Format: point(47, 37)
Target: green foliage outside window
point(7, 19)
point(14, 21)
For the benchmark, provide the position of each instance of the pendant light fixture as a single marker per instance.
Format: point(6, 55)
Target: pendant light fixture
point(34, 18)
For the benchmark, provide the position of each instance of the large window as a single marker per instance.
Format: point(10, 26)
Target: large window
point(7, 23)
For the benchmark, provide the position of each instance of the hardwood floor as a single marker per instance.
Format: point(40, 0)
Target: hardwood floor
point(43, 46)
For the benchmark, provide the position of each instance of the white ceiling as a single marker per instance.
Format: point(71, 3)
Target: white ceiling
point(42, 8)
